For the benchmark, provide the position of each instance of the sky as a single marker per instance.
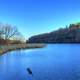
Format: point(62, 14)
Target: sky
point(34, 17)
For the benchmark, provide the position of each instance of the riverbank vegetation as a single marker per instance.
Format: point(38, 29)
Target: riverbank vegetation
point(11, 39)
point(10, 47)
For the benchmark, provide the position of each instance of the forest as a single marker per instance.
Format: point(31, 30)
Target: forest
point(69, 34)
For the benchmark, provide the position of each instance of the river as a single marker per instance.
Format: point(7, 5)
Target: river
point(54, 62)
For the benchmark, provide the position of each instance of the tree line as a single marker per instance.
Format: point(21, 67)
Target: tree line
point(69, 34)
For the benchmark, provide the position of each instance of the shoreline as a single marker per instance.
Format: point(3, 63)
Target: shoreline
point(12, 47)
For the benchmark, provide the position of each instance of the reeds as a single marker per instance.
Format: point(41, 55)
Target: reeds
point(11, 47)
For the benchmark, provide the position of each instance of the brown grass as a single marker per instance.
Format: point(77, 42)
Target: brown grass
point(11, 47)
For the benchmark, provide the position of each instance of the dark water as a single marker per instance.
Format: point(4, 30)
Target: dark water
point(55, 62)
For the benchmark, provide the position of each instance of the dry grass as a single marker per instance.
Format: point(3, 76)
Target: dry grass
point(6, 48)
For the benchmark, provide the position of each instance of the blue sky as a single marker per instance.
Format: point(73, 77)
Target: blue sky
point(39, 16)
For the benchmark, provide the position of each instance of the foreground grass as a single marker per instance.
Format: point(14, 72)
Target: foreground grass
point(7, 48)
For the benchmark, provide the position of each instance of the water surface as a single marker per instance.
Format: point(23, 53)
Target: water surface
point(54, 62)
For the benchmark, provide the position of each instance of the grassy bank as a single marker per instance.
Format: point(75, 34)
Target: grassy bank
point(6, 48)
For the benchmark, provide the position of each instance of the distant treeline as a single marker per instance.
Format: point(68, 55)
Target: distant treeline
point(69, 34)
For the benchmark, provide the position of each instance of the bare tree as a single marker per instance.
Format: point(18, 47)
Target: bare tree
point(9, 31)
point(19, 37)
point(1, 31)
